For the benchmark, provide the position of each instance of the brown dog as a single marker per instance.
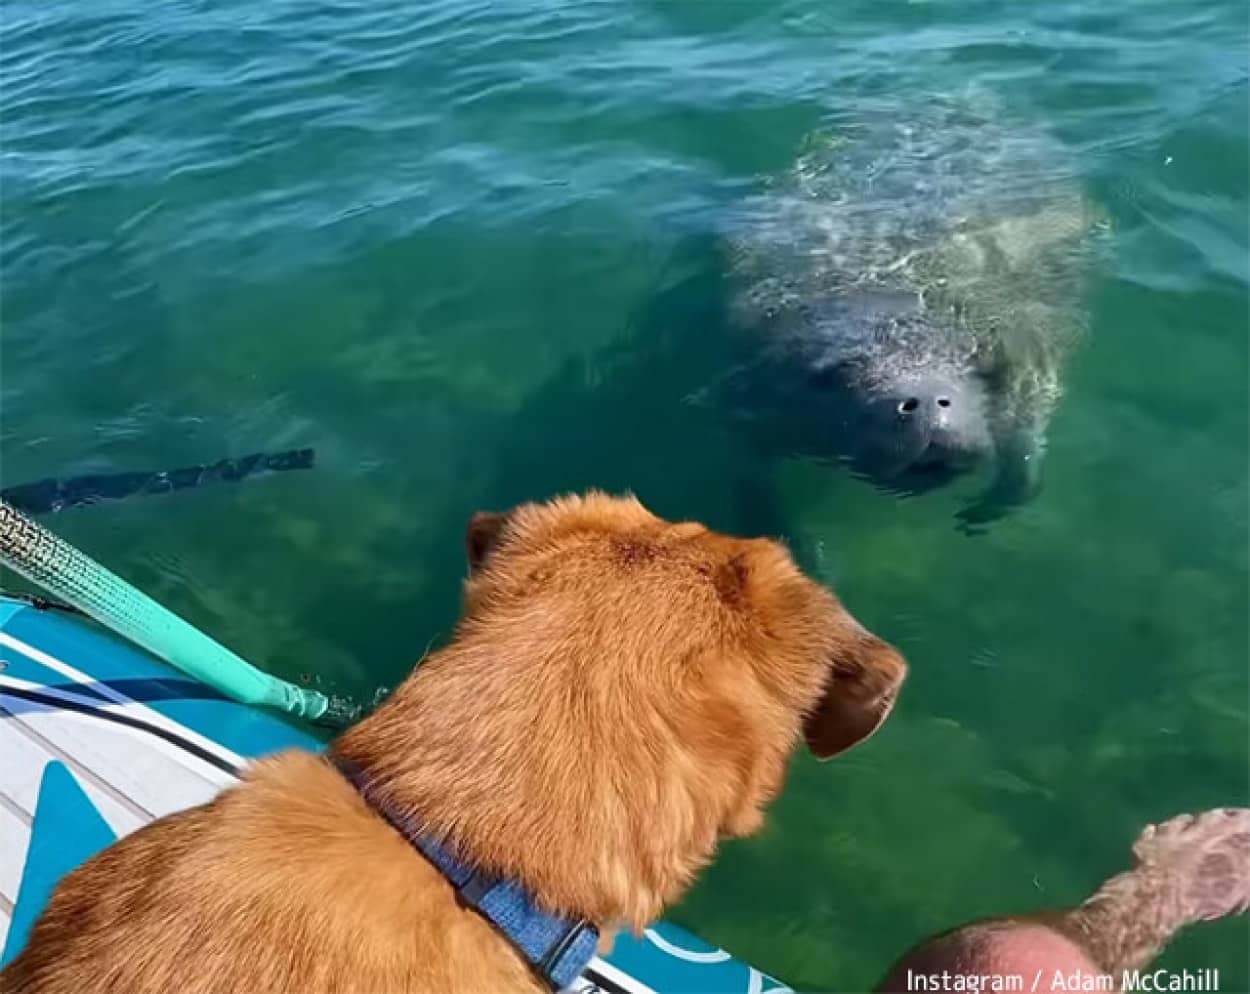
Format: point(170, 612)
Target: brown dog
point(621, 692)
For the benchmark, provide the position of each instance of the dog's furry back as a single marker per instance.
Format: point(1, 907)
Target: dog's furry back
point(288, 884)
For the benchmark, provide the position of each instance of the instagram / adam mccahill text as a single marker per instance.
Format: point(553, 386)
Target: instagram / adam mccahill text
point(1052, 981)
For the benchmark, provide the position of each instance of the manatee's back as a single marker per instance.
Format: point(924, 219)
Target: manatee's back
point(949, 198)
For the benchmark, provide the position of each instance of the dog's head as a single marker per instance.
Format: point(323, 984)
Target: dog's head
point(685, 606)
point(621, 692)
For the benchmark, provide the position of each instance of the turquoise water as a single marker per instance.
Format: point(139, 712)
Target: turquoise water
point(462, 249)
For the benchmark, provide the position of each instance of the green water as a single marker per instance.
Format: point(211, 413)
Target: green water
point(457, 247)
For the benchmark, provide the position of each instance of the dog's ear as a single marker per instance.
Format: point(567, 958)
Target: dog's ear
point(863, 683)
point(482, 536)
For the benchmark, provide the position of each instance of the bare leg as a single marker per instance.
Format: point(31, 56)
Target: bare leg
point(1190, 869)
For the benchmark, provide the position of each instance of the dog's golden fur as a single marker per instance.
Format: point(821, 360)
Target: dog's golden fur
point(621, 692)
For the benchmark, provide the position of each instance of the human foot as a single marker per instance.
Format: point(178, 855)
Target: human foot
point(1188, 869)
point(1208, 858)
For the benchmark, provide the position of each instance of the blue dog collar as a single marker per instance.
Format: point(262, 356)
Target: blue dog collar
point(558, 948)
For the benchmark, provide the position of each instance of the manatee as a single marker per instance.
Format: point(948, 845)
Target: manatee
point(907, 295)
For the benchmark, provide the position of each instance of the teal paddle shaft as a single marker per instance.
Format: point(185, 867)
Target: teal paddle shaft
point(56, 566)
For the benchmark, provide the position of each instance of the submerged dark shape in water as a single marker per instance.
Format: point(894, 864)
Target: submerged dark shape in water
point(907, 297)
point(52, 495)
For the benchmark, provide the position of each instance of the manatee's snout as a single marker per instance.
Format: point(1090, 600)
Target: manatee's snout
point(927, 412)
point(937, 423)
point(926, 407)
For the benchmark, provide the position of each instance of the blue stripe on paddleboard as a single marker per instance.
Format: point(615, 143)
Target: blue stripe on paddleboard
point(668, 958)
point(67, 831)
point(21, 667)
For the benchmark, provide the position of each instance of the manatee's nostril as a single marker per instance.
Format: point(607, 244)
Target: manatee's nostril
point(908, 405)
point(944, 402)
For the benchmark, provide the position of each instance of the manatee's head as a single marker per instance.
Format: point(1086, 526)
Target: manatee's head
point(910, 407)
